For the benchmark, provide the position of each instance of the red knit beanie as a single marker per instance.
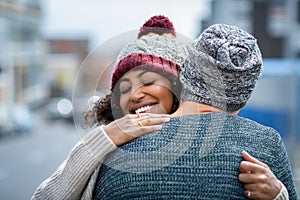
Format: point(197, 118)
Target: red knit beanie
point(157, 24)
point(151, 62)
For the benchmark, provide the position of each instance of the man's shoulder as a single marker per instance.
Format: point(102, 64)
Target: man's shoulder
point(224, 120)
point(254, 124)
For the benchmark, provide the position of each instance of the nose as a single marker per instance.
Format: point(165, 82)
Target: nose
point(137, 94)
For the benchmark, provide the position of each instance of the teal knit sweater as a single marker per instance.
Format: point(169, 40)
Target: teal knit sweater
point(192, 157)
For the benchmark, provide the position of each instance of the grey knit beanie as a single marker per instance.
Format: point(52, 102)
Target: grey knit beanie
point(164, 46)
point(222, 68)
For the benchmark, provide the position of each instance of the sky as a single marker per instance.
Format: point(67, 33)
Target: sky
point(100, 20)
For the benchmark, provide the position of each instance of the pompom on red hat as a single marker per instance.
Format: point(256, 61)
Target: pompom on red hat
point(157, 24)
point(146, 61)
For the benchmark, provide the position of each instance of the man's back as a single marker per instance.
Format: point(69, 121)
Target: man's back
point(194, 156)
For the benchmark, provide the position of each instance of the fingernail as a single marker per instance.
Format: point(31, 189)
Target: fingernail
point(158, 127)
point(167, 119)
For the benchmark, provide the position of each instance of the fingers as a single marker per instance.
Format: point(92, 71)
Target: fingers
point(131, 126)
point(151, 115)
point(248, 178)
point(252, 170)
point(258, 180)
point(259, 191)
point(250, 167)
point(137, 125)
point(148, 121)
point(250, 194)
point(250, 158)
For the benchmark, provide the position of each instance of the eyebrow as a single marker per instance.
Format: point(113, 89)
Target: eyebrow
point(142, 73)
point(124, 79)
point(138, 76)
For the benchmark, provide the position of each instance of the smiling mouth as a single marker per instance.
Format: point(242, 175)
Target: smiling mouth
point(143, 109)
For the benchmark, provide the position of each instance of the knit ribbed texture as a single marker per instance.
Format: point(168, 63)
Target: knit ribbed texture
point(163, 54)
point(169, 48)
point(283, 194)
point(222, 68)
point(158, 24)
point(150, 62)
point(193, 157)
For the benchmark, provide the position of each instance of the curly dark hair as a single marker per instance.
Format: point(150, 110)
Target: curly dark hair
point(107, 109)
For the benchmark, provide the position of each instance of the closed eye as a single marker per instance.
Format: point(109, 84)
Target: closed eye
point(125, 90)
point(147, 83)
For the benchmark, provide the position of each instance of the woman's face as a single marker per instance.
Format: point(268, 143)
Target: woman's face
point(144, 91)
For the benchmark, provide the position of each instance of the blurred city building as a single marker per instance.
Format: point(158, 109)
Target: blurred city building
point(65, 56)
point(276, 24)
point(21, 60)
point(34, 70)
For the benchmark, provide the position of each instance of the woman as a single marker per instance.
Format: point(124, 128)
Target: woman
point(76, 176)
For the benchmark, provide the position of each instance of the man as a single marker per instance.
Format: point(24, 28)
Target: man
point(197, 155)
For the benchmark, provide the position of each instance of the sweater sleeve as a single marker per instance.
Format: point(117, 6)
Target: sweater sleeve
point(71, 177)
point(283, 194)
point(283, 170)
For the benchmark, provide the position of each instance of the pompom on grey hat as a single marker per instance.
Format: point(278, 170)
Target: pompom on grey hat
point(222, 68)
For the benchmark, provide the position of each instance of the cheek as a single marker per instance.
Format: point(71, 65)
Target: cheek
point(165, 97)
point(167, 101)
point(124, 104)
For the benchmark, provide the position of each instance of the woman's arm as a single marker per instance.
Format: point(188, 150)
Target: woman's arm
point(72, 176)
point(69, 180)
point(259, 181)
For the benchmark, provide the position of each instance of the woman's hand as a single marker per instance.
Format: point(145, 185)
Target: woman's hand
point(259, 181)
point(131, 126)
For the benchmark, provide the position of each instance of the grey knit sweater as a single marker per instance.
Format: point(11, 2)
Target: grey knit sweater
point(192, 157)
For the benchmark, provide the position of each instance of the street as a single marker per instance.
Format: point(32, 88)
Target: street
point(29, 158)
